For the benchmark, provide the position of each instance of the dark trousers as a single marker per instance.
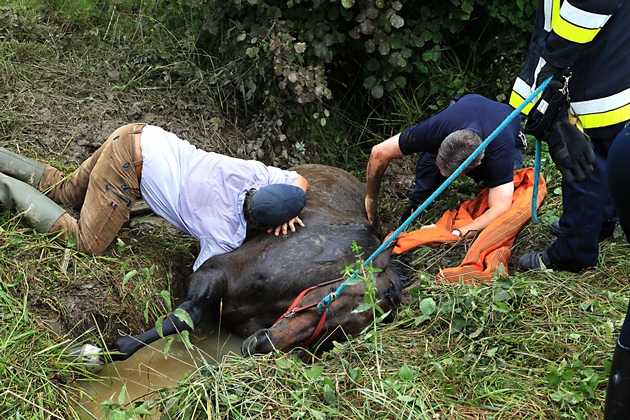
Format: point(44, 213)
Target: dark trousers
point(429, 178)
point(585, 207)
point(618, 176)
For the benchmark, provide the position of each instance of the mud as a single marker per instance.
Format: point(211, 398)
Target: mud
point(62, 93)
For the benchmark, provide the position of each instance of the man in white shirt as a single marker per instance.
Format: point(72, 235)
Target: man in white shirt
point(213, 197)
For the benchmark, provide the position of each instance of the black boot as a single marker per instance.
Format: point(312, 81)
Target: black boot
point(618, 391)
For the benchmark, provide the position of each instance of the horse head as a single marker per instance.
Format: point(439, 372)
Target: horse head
point(306, 325)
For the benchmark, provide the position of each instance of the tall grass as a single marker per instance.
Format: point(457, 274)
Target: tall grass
point(33, 369)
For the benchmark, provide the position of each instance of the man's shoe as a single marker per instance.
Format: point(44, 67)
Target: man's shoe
point(608, 229)
point(535, 261)
point(554, 227)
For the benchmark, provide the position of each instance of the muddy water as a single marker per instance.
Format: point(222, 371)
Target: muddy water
point(149, 370)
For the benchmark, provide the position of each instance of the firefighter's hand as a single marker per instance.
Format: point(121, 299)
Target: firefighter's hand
point(571, 150)
point(580, 149)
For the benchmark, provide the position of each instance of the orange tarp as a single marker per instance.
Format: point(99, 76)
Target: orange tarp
point(492, 246)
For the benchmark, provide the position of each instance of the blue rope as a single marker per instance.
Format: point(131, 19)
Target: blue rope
point(323, 305)
point(536, 176)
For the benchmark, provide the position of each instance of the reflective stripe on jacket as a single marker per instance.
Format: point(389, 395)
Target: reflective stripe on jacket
point(592, 39)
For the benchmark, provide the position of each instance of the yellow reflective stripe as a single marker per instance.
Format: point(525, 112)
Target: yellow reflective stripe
point(593, 113)
point(604, 119)
point(594, 120)
point(516, 100)
point(520, 91)
point(573, 31)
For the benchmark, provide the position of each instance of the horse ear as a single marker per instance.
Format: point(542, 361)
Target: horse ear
point(382, 260)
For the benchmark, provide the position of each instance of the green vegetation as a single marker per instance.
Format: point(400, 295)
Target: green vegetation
point(238, 77)
point(526, 348)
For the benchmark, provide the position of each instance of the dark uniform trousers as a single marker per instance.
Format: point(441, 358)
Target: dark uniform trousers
point(585, 205)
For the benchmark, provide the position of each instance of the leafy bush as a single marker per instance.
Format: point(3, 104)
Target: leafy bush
point(290, 58)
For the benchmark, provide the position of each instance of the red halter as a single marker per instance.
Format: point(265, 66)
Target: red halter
point(295, 308)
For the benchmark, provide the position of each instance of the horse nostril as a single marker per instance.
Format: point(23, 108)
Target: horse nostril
point(257, 343)
point(249, 344)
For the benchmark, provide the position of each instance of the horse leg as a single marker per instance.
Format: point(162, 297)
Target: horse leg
point(205, 288)
point(130, 344)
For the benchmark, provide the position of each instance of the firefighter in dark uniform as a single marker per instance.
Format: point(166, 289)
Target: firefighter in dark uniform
point(588, 40)
point(618, 391)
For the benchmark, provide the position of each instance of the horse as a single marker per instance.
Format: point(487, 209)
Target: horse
point(312, 322)
point(249, 288)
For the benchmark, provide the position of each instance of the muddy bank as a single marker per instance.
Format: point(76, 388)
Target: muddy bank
point(63, 93)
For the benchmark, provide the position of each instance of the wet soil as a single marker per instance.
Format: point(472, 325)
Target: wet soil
point(62, 93)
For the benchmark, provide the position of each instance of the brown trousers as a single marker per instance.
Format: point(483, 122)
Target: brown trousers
point(104, 188)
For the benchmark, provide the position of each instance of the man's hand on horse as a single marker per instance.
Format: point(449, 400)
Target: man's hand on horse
point(286, 226)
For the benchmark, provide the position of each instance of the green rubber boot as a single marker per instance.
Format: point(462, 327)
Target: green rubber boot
point(20, 167)
point(618, 392)
point(39, 211)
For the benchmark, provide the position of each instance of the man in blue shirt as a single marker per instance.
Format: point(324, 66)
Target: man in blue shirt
point(446, 140)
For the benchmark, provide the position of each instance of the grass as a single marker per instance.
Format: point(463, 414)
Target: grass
point(534, 345)
point(33, 367)
point(531, 346)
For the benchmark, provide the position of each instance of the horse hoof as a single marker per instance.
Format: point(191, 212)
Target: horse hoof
point(90, 356)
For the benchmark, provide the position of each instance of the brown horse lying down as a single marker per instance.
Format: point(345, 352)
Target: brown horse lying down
point(257, 282)
point(308, 324)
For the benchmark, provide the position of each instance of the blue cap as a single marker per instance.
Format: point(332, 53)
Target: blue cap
point(276, 204)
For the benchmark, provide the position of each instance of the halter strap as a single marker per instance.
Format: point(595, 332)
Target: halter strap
point(294, 306)
point(293, 309)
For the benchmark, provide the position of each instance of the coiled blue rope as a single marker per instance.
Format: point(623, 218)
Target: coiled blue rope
point(323, 305)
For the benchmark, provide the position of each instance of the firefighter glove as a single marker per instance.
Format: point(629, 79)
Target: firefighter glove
point(546, 110)
point(570, 149)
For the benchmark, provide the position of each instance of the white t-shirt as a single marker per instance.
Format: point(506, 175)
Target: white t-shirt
point(201, 192)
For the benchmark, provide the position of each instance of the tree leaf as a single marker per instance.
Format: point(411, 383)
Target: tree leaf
point(184, 316)
point(347, 3)
point(428, 306)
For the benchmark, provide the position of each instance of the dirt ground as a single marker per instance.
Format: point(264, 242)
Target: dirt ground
point(63, 93)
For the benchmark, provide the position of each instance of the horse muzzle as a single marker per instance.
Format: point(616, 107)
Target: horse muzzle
point(257, 343)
